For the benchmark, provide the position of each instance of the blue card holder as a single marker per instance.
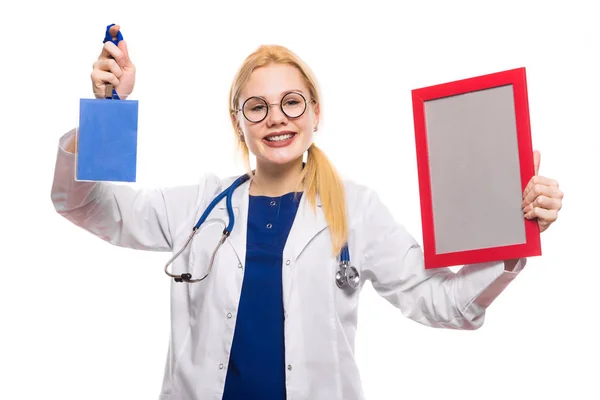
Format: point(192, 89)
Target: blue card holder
point(107, 140)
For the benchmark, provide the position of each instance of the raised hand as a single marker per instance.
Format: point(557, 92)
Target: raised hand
point(542, 199)
point(115, 67)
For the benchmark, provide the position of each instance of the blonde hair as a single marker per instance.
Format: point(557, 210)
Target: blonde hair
point(319, 175)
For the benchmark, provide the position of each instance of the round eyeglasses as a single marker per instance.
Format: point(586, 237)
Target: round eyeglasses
point(256, 109)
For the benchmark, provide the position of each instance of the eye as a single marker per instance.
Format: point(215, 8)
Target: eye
point(257, 108)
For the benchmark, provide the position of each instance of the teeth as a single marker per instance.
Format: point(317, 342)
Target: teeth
point(280, 137)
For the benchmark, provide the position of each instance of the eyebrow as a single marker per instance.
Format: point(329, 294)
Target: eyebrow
point(280, 94)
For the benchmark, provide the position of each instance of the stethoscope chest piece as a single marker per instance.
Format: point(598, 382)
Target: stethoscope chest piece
point(347, 276)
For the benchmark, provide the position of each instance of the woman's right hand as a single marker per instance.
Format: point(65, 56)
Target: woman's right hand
point(115, 67)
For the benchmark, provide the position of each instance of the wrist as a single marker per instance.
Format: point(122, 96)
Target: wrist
point(509, 265)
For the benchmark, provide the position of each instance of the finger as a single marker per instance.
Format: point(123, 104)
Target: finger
point(536, 161)
point(539, 180)
point(125, 51)
point(543, 190)
point(109, 64)
point(548, 203)
point(100, 79)
point(545, 217)
point(111, 51)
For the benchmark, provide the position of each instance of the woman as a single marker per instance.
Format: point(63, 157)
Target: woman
point(269, 322)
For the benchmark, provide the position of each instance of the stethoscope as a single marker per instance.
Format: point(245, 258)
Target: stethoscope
point(347, 276)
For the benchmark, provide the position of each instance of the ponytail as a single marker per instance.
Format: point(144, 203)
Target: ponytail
point(320, 177)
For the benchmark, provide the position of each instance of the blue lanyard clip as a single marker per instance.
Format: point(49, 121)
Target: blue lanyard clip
point(110, 92)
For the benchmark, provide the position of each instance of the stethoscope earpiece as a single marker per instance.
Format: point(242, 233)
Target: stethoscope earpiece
point(184, 277)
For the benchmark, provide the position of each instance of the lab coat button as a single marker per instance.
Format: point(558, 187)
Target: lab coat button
point(229, 315)
point(288, 262)
point(240, 265)
point(289, 367)
point(221, 366)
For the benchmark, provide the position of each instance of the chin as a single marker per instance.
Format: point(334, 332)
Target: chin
point(281, 160)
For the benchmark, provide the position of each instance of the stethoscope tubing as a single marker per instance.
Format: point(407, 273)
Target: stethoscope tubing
point(346, 275)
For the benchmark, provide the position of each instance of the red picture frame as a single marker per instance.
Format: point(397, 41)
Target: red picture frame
point(532, 246)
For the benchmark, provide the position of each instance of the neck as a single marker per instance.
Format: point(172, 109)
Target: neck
point(276, 180)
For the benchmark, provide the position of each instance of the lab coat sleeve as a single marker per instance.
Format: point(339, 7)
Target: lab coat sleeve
point(118, 213)
point(394, 263)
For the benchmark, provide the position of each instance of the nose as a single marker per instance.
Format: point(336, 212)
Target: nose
point(275, 115)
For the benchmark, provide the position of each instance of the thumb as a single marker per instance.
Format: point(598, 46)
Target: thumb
point(536, 161)
point(114, 30)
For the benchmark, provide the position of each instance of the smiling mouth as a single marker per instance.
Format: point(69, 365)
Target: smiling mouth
point(280, 138)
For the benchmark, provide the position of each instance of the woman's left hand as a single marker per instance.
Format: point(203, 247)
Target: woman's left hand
point(542, 199)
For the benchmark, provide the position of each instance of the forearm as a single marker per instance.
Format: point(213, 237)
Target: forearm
point(459, 301)
point(439, 297)
point(67, 193)
point(118, 214)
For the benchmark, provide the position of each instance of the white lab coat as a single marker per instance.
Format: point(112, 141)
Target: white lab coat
point(320, 319)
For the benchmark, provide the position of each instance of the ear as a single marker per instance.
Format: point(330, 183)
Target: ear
point(317, 111)
point(236, 123)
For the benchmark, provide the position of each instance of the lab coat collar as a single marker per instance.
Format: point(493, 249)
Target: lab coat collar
point(239, 201)
point(242, 193)
point(307, 223)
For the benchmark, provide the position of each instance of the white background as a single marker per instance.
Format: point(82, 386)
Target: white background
point(81, 319)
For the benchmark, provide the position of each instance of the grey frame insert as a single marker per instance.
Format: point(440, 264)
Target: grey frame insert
point(474, 170)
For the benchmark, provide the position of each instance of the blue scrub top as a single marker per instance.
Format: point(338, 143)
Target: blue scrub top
point(257, 362)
